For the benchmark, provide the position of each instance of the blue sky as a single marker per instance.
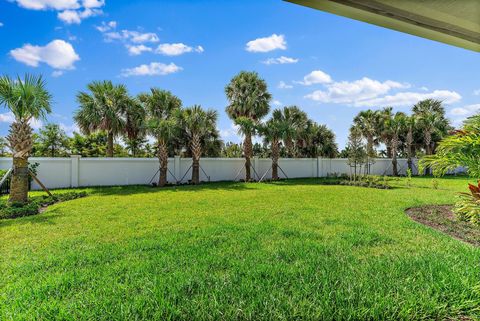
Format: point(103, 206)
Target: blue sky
point(332, 67)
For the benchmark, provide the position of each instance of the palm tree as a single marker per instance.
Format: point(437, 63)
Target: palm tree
point(297, 122)
point(197, 124)
point(368, 122)
point(135, 127)
point(410, 123)
point(394, 126)
point(319, 140)
point(103, 109)
point(27, 99)
point(273, 131)
point(161, 108)
point(249, 98)
point(385, 115)
point(430, 116)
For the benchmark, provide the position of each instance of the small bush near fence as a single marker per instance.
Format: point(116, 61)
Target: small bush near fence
point(33, 207)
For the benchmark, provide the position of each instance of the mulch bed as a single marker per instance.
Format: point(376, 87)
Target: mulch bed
point(441, 218)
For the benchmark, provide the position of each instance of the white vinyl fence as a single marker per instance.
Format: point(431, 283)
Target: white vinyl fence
point(77, 171)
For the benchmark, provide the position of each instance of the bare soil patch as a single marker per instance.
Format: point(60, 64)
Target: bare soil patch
point(441, 217)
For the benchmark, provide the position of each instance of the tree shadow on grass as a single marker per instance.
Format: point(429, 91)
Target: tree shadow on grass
point(47, 218)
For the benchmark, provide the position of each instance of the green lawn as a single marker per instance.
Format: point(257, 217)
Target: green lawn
point(224, 251)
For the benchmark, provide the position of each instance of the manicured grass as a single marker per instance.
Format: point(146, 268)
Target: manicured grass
point(287, 250)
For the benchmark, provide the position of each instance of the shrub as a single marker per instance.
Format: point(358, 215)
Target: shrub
point(467, 208)
point(15, 210)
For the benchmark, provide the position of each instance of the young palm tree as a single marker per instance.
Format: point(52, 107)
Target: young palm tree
point(197, 124)
point(368, 122)
point(103, 109)
point(27, 99)
point(319, 140)
point(162, 108)
point(249, 98)
point(273, 131)
point(394, 126)
point(410, 124)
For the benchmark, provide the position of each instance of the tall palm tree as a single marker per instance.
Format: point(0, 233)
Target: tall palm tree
point(27, 99)
point(319, 140)
point(394, 126)
point(162, 108)
point(197, 124)
point(135, 127)
point(385, 115)
point(368, 122)
point(430, 115)
point(103, 109)
point(273, 131)
point(248, 97)
point(297, 121)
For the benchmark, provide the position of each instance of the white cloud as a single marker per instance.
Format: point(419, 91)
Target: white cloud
point(267, 44)
point(10, 118)
point(76, 16)
point(176, 49)
point(139, 37)
point(57, 54)
point(69, 11)
point(152, 69)
point(106, 26)
point(138, 50)
point(316, 77)
point(230, 134)
point(466, 111)
point(353, 93)
point(277, 103)
point(410, 98)
point(69, 129)
point(283, 85)
point(57, 73)
point(280, 61)
point(93, 3)
point(476, 92)
point(48, 4)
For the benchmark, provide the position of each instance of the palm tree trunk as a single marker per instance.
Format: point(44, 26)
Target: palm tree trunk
point(20, 141)
point(394, 155)
point(196, 153)
point(428, 142)
point(247, 145)
point(163, 159)
point(19, 181)
point(290, 147)
point(275, 156)
point(110, 144)
point(409, 150)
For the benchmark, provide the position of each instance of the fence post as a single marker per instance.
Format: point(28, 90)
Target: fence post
point(176, 167)
point(75, 170)
point(319, 167)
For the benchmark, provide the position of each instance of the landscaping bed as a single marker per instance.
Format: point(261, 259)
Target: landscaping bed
point(442, 218)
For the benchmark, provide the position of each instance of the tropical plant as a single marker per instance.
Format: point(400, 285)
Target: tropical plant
point(430, 117)
point(272, 131)
point(27, 99)
point(103, 109)
point(318, 140)
point(197, 124)
point(248, 98)
point(410, 125)
point(162, 108)
point(385, 115)
point(461, 149)
point(394, 127)
point(135, 127)
point(368, 122)
point(232, 150)
point(296, 122)
point(3, 146)
point(357, 155)
point(52, 140)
